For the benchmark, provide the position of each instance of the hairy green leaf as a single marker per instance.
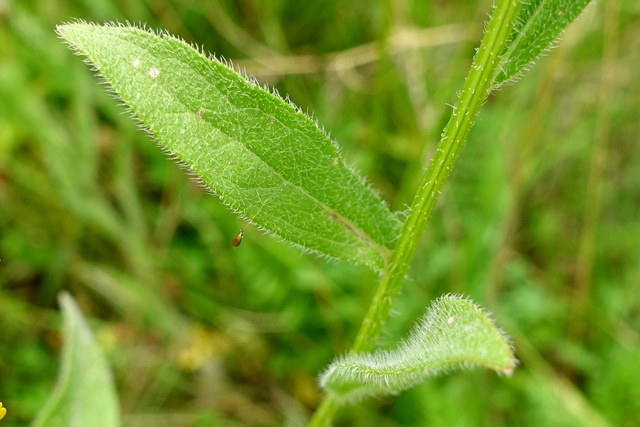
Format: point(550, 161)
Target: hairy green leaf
point(84, 394)
point(261, 155)
point(454, 333)
point(537, 25)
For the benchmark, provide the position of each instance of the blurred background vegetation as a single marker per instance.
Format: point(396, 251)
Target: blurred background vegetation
point(540, 222)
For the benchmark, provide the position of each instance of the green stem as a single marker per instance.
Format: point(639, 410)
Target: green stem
point(476, 89)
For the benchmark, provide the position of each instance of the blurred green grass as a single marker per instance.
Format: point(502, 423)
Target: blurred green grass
point(540, 222)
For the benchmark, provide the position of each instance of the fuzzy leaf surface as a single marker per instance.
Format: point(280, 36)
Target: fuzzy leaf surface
point(538, 24)
point(454, 333)
point(261, 155)
point(84, 394)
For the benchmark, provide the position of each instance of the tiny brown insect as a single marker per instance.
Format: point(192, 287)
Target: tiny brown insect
point(238, 239)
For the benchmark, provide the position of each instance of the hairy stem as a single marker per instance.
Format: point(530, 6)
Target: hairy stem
point(477, 87)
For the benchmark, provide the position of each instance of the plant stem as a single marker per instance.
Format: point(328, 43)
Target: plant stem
point(476, 89)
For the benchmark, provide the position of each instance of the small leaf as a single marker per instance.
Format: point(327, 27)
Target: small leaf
point(454, 333)
point(538, 24)
point(262, 156)
point(84, 394)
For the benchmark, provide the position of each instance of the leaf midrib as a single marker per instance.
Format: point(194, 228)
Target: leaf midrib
point(360, 234)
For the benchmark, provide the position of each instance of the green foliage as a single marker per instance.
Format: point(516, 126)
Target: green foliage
point(255, 150)
point(261, 155)
point(453, 333)
point(87, 204)
point(84, 394)
point(537, 26)
point(250, 146)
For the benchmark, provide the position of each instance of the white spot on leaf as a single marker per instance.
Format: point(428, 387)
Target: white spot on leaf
point(154, 72)
point(136, 63)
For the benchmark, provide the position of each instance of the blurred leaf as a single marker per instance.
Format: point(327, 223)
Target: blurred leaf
point(84, 394)
point(262, 156)
point(538, 24)
point(454, 333)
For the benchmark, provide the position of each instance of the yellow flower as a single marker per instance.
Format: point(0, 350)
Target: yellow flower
point(3, 411)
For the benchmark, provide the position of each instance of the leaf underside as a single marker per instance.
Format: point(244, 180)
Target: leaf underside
point(454, 333)
point(262, 156)
point(537, 25)
point(84, 394)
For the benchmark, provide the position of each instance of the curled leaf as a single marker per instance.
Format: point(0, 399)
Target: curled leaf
point(454, 333)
